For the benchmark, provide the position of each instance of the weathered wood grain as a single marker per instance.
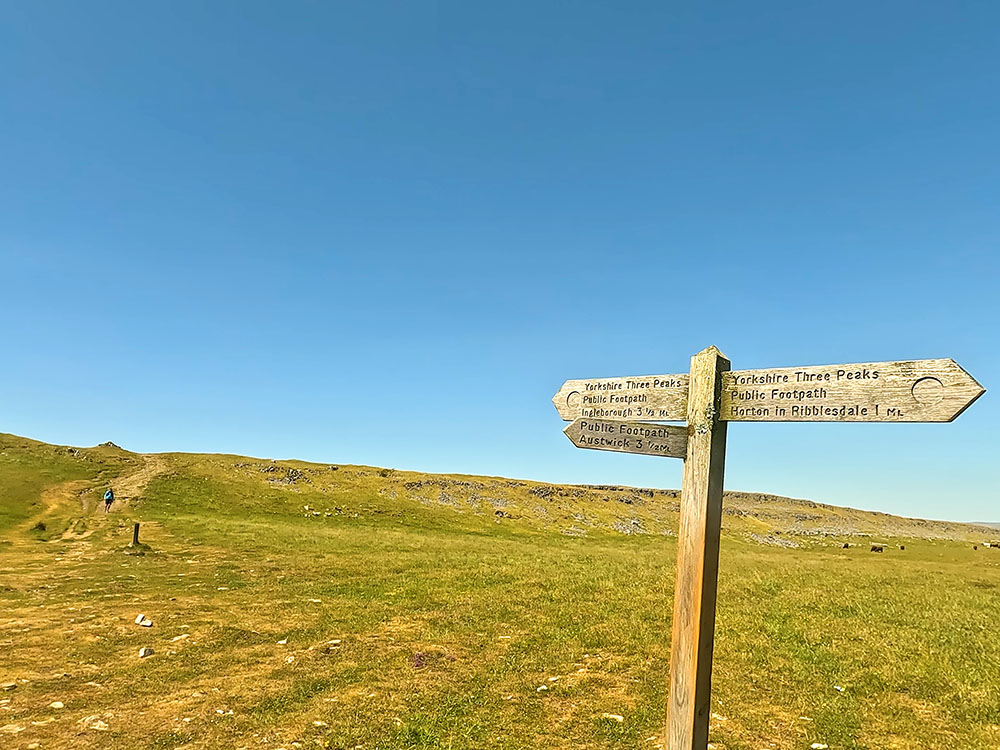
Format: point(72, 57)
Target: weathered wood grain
point(927, 390)
point(693, 633)
point(642, 397)
point(628, 437)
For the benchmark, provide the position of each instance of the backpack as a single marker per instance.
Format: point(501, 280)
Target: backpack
point(109, 495)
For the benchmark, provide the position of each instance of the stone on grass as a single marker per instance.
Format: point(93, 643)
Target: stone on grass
point(145, 651)
point(613, 717)
point(94, 722)
point(56, 705)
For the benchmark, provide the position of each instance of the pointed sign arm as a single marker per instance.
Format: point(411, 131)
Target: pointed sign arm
point(628, 437)
point(924, 390)
point(640, 397)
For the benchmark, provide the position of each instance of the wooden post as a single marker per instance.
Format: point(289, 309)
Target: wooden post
point(615, 413)
point(693, 630)
point(135, 534)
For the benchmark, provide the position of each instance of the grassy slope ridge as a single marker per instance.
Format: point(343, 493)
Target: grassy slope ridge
point(570, 509)
point(309, 605)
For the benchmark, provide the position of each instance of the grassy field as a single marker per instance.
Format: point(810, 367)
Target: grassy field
point(297, 605)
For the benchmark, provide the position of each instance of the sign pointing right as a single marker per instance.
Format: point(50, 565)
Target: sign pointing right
point(926, 390)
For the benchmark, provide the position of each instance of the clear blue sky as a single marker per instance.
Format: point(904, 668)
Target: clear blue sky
point(386, 232)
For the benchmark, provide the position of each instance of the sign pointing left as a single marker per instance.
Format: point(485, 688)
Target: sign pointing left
point(628, 437)
point(641, 397)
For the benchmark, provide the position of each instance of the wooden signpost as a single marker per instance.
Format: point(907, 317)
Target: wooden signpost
point(616, 414)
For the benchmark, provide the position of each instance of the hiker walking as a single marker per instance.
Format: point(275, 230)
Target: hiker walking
point(109, 497)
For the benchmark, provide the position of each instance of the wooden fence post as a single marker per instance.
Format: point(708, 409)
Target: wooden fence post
point(692, 635)
point(135, 534)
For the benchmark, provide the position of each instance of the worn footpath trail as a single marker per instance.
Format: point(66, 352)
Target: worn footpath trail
point(65, 607)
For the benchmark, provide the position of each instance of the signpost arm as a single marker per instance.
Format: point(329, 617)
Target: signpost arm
point(693, 630)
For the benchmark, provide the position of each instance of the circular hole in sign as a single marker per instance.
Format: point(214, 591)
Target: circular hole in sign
point(928, 391)
point(573, 399)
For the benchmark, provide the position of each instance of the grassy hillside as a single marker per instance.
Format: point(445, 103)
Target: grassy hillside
point(303, 605)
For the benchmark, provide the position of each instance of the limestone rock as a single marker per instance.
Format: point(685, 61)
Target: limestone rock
point(94, 722)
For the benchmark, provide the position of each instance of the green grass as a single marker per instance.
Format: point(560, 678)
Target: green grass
point(23, 476)
point(449, 618)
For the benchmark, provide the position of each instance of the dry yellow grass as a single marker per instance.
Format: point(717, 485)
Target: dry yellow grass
point(427, 612)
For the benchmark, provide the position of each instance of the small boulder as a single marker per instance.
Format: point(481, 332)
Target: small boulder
point(56, 705)
point(94, 722)
point(145, 651)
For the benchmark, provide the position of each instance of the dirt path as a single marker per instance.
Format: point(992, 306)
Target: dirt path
point(131, 486)
point(67, 499)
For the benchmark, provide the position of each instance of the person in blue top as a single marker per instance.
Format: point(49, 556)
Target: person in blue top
point(109, 497)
